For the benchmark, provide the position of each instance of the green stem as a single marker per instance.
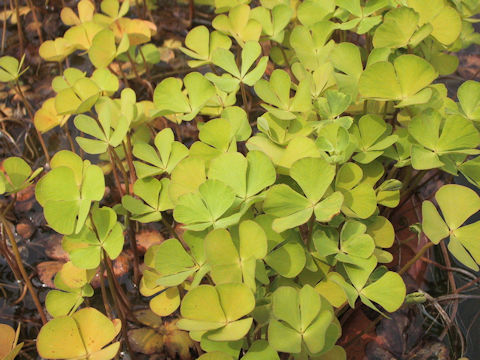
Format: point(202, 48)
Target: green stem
point(417, 256)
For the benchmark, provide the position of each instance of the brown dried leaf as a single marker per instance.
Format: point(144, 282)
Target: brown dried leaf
point(25, 228)
point(147, 238)
point(47, 271)
point(177, 342)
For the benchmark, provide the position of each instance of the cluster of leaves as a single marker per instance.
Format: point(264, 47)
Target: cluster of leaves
point(284, 221)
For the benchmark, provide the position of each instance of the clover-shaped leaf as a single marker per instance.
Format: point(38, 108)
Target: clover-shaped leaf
point(457, 204)
point(438, 138)
point(163, 158)
point(205, 207)
point(169, 264)
point(103, 232)
point(153, 199)
point(238, 24)
point(10, 68)
point(200, 45)
point(246, 176)
point(359, 197)
point(218, 310)
point(286, 253)
point(261, 350)
point(273, 21)
point(399, 29)
point(164, 300)
point(310, 44)
point(404, 80)
point(80, 336)
point(182, 181)
point(75, 93)
point(225, 59)
point(104, 50)
point(372, 135)
point(314, 177)
point(217, 136)
point(170, 100)
point(311, 12)
point(85, 8)
point(388, 291)
point(445, 21)
point(364, 18)
point(469, 99)
point(354, 242)
point(276, 93)
point(346, 59)
point(108, 131)
point(81, 36)
point(302, 318)
point(47, 117)
point(16, 175)
point(65, 300)
point(55, 50)
point(236, 263)
point(67, 191)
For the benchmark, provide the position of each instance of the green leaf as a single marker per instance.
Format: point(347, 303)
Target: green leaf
point(301, 317)
point(469, 99)
point(238, 24)
point(401, 80)
point(163, 158)
point(221, 307)
point(458, 135)
point(359, 197)
point(389, 291)
point(204, 208)
point(170, 100)
point(276, 93)
point(83, 334)
point(104, 233)
point(201, 44)
point(261, 350)
point(17, 174)
point(457, 204)
point(397, 28)
point(154, 194)
point(444, 19)
point(67, 191)
point(10, 68)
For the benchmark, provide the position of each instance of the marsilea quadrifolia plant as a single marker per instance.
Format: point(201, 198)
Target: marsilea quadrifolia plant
point(315, 118)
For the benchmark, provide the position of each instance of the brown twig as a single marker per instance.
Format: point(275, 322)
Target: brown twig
point(23, 272)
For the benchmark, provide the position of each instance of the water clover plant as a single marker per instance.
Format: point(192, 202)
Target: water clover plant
point(273, 162)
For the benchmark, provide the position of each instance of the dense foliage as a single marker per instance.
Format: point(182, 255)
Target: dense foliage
point(284, 206)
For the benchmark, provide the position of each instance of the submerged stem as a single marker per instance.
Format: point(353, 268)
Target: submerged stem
point(23, 272)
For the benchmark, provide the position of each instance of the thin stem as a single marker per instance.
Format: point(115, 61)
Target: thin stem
point(35, 20)
point(30, 114)
point(453, 286)
point(116, 300)
point(122, 169)
point(169, 228)
point(104, 292)
point(23, 272)
point(69, 137)
point(115, 174)
point(19, 27)
point(417, 256)
point(129, 156)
